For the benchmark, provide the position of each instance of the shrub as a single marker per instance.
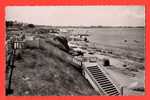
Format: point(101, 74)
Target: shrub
point(31, 25)
point(63, 42)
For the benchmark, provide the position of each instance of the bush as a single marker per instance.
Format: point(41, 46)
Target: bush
point(31, 25)
point(63, 41)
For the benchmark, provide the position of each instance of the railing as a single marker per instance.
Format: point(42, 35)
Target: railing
point(18, 44)
point(10, 61)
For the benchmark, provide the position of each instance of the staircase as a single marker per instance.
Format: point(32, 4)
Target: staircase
point(102, 81)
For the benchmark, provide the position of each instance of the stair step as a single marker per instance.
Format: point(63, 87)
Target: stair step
point(111, 91)
point(104, 82)
point(99, 74)
point(103, 85)
point(95, 71)
point(92, 68)
point(114, 93)
point(108, 87)
point(100, 78)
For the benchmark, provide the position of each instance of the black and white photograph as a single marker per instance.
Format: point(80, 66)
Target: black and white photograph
point(75, 50)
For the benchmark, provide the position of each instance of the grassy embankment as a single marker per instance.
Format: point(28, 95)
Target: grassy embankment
point(46, 70)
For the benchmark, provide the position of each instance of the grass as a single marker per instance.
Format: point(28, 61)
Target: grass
point(44, 71)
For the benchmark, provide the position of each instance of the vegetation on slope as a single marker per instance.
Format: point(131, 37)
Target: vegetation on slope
point(47, 71)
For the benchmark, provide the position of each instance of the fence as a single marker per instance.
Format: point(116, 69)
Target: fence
point(11, 47)
point(18, 44)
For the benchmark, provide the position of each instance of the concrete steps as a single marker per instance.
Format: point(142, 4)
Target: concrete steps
point(102, 81)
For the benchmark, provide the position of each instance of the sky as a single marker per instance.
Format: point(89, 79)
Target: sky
point(78, 15)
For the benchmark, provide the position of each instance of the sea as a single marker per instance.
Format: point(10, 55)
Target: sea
point(133, 38)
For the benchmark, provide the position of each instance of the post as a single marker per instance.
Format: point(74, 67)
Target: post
point(121, 91)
